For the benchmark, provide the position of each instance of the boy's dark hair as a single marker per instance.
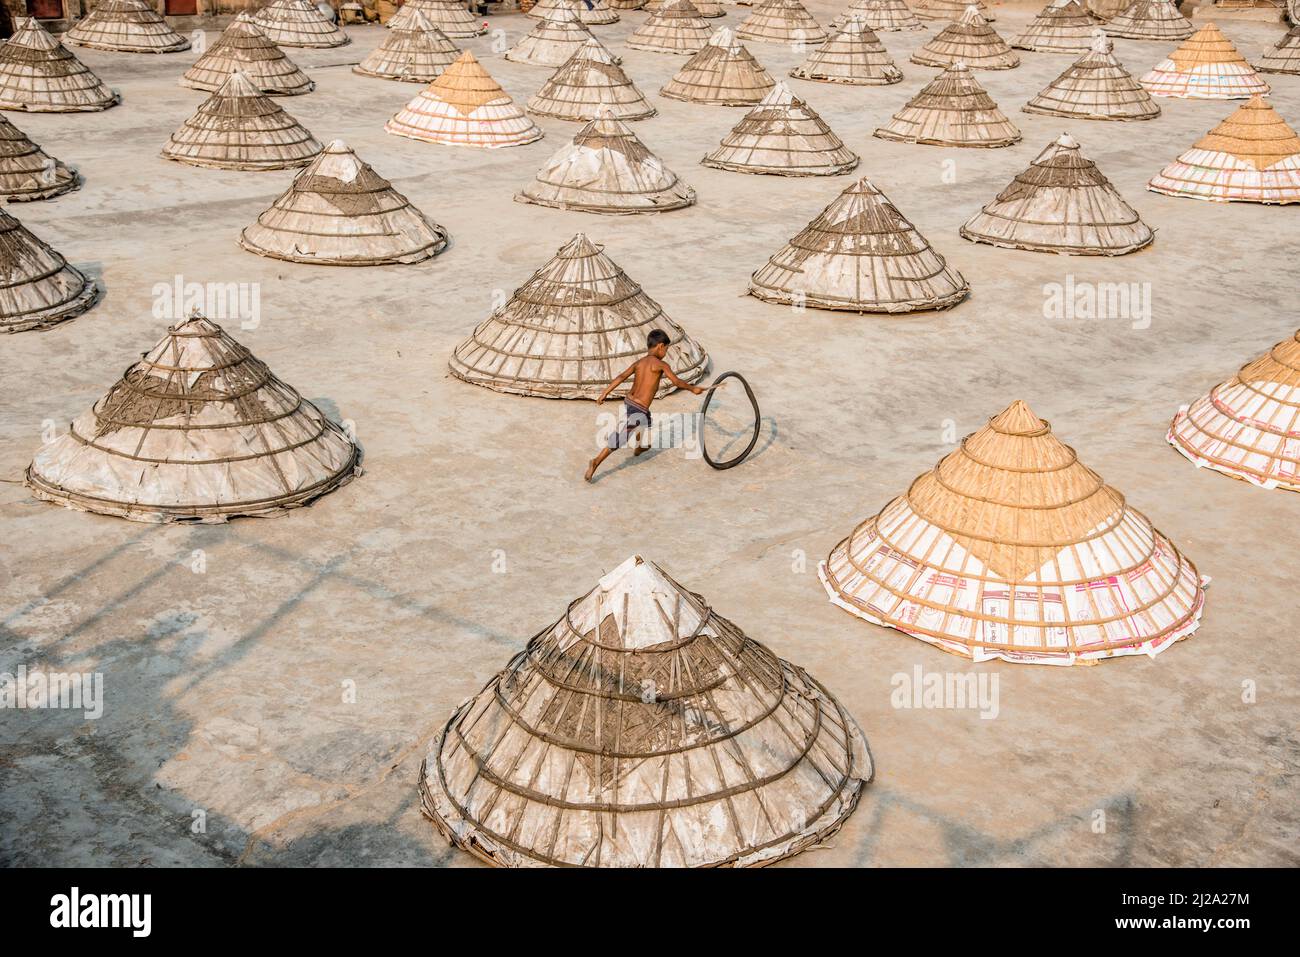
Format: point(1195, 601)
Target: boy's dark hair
point(656, 337)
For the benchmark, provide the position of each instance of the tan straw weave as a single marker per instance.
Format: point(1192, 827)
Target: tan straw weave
point(465, 107)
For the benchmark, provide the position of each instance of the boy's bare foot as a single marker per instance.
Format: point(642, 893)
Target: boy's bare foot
point(640, 448)
point(591, 470)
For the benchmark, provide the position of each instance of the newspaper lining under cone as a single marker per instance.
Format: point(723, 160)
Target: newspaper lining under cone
point(969, 40)
point(881, 15)
point(1206, 66)
point(723, 73)
point(26, 171)
point(297, 23)
point(340, 212)
point(415, 54)
point(570, 329)
point(599, 13)
point(853, 55)
point(1096, 87)
point(860, 255)
point(553, 40)
point(198, 429)
point(781, 21)
point(1284, 56)
point(464, 107)
point(1251, 157)
point(38, 288)
point(951, 110)
point(243, 46)
point(449, 16)
point(782, 136)
point(676, 27)
point(586, 83)
point(127, 26)
point(1150, 20)
point(1248, 427)
point(1063, 26)
point(1011, 548)
point(671, 739)
point(40, 75)
point(951, 9)
point(1061, 204)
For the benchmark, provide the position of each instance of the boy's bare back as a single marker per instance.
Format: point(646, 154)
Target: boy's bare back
point(646, 373)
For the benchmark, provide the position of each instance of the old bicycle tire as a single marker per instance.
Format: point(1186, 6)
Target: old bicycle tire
point(704, 411)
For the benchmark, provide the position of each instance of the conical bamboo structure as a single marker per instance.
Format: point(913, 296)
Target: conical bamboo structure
point(243, 46)
point(297, 23)
point(881, 15)
point(969, 40)
point(127, 26)
point(709, 9)
point(1063, 26)
point(642, 729)
point(26, 171)
point(588, 82)
point(415, 54)
point(340, 212)
point(676, 27)
point(240, 127)
point(607, 169)
point(1284, 56)
point(1249, 427)
point(782, 136)
point(627, 4)
point(1150, 20)
point(1096, 87)
point(1208, 67)
point(950, 9)
point(598, 14)
point(449, 16)
point(40, 75)
point(464, 107)
point(951, 110)
point(860, 255)
point(1251, 157)
point(854, 55)
point(552, 40)
point(1061, 204)
point(1106, 10)
point(723, 73)
point(38, 288)
point(198, 429)
point(1012, 548)
point(781, 21)
point(570, 329)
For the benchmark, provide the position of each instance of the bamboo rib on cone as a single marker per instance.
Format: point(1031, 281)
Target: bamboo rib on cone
point(854, 55)
point(1151, 20)
point(781, 21)
point(676, 27)
point(464, 107)
point(1011, 548)
point(1096, 87)
point(709, 9)
point(881, 15)
point(598, 14)
point(38, 288)
point(588, 82)
point(340, 212)
point(1251, 157)
point(782, 136)
point(1061, 204)
point(1248, 427)
point(26, 171)
point(552, 40)
point(198, 429)
point(128, 26)
point(737, 757)
point(41, 75)
point(952, 110)
point(570, 329)
point(1207, 66)
point(243, 46)
point(607, 169)
point(240, 127)
point(449, 16)
point(723, 73)
point(1284, 57)
point(860, 255)
point(951, 9)
point(968, 40)
point(297, 23)
point(415, 54)
point(1063, 26)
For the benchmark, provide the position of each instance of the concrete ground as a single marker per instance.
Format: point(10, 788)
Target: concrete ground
point(224, 685)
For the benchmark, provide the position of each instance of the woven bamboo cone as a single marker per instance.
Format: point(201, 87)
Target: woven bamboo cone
point(708, 9)
point(860, 255)
point(415, 54)
point(1061, 204)
point(127, 26)
point(38, 74)
point(1248, 427)
point(1150, 20)
point(881, 15)
point(1011, 548)
point(1096, 87)
point(26, 171)
point(951, 9)
point(723, 73)
point(1251, 157)
point(340, 212)
point(676, 27)
point(449, 16)
point(38, 288)
point(672, 739)
point(1207, 67)
point(781, 21)
point(627, 4)
point(1063, 26)
point(552, 40)
point(968, 40)
point(297, 23)
point(588, 82)
point(599, 14)
point(1284, 57)
point(570, 329)
point(854, 55)
point(243, 46)
point(197, 430)
point(952, 110)
point(782, 136)
point(464, 107)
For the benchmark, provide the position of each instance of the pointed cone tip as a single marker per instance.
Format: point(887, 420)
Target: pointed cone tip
point(1017, 419)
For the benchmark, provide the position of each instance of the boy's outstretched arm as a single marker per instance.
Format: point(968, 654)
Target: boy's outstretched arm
point(618, 381)
point(680, 382)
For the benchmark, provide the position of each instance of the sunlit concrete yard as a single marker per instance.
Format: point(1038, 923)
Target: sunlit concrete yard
point(271, 686)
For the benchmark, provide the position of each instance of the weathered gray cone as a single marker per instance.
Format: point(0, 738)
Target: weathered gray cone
point(38, 288)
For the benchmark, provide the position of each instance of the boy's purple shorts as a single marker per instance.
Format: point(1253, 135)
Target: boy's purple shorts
point(637, 418)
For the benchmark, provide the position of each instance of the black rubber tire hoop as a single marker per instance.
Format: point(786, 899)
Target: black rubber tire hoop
point(704, 410)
